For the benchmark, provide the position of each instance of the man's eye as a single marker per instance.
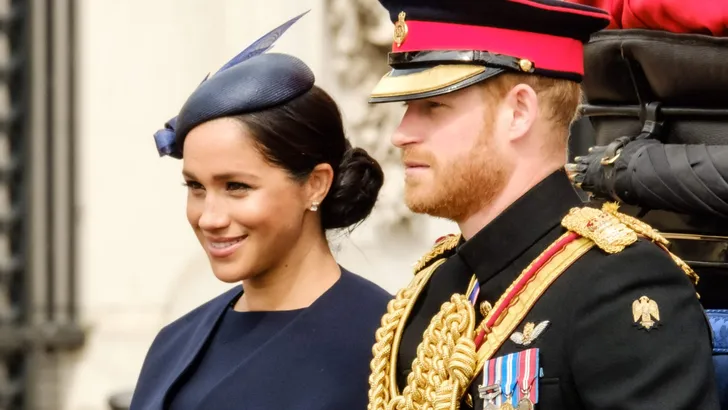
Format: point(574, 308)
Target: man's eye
point(193, 185)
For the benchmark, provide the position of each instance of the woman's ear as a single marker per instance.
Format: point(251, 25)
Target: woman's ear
point(319, 183)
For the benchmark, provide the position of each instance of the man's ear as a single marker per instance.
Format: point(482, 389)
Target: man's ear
point(522, 103)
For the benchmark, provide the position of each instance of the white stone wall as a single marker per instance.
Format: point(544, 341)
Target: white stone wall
point(140, 265)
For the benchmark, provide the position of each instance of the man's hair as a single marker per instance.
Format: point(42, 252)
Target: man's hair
point(559, 100)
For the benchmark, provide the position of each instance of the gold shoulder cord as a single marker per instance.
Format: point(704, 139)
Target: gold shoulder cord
point(382, 379)
point(652, 234)
point(447, 361)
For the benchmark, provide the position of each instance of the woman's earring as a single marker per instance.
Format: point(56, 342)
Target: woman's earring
point(314, 206)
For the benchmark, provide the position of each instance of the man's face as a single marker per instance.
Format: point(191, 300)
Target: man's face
point(452, 150)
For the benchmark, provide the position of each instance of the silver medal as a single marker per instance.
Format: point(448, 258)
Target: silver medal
point(525, 404)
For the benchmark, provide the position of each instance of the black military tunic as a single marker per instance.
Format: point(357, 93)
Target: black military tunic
point(593, 354)
point(595, 349)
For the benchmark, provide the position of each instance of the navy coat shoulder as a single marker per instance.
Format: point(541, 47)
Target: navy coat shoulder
point(318, 360)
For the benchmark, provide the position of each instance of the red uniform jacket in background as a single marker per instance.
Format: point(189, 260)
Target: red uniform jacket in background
point(708, 17)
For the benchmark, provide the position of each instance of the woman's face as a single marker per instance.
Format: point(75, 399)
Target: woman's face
point(246, 213)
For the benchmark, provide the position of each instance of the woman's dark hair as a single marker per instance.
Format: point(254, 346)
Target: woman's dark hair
point(308, 131)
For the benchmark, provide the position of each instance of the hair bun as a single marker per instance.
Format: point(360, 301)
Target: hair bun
point(354, 190)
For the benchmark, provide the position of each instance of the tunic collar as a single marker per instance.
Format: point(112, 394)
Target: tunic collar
point(520, 226)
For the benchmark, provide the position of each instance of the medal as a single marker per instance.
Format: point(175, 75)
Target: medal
point(507, 402)
point(525, 404)
point(507, 406)
point(489, 392)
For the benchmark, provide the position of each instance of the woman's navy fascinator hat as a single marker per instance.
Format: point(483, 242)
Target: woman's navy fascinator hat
point(252, 81)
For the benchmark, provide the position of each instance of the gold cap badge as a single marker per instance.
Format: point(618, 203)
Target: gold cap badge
point(400, 29)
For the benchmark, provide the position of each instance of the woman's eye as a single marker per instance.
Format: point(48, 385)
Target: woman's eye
point(237, 186)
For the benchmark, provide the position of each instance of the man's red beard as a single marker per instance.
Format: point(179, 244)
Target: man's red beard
point(459, 188)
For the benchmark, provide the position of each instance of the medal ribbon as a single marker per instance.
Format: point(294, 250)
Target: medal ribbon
point(515, 374)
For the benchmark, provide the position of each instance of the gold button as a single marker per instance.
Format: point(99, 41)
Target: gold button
point(526, 65)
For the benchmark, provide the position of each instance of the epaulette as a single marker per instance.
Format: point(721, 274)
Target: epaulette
point(651, 233)
point(444, 248)
point(635, 224)
point(612, 231)
point(601, 227)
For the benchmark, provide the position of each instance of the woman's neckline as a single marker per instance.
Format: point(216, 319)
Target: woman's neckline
point(231, 308)
point(339, 282)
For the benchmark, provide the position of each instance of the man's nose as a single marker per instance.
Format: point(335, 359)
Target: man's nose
point(409, 130)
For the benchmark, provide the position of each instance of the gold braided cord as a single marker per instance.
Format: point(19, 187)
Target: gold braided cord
point(382, 380)
point(651, 233)
point(383, 346)
point(684, 266)
point(446, 244)
point(446, 359)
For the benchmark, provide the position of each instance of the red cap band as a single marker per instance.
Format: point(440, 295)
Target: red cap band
point(545, 51)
